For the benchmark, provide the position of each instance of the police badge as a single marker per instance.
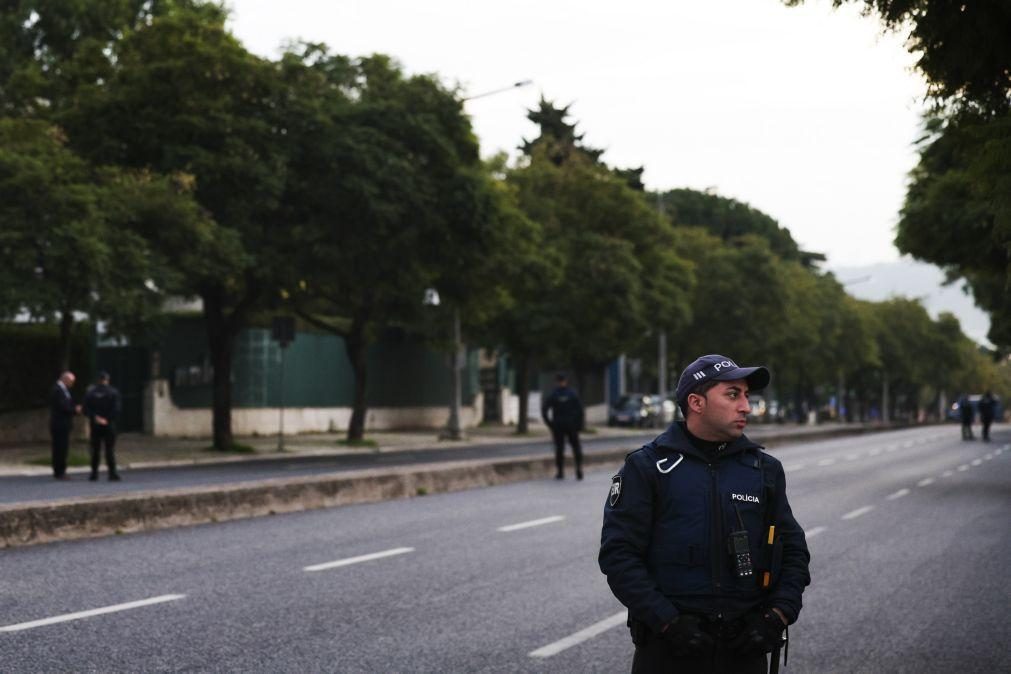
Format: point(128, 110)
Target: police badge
point(615, 494)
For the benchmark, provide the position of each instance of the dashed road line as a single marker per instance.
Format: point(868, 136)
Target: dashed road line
point(580, 636)
point(875, 451)
point(988, 457)
point(356, 560)
point(826, 462)
point(964, 467)
point(925, 481)
point(532, 523)
point(899, 494)
point(794, 469)
point(947, 473)
point(67, 617)
point(977, 462)
point(853, 514)
point(815, 531)
point(852, 457)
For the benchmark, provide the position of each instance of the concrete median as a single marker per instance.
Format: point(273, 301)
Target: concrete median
point(41, 522)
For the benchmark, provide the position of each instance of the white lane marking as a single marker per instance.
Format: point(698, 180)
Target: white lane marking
point(826, 462)
point(947, 473)
point(899, 494)
point(794, 469)
point(907, 444)
point(66, 617)
point(814, 532)
point(925, 481)
point(852, 457)
point(532, 523)
point(977, 462)
point(891, 448)
point(355, 560)
point(988, 457)
point(580, 636)
point(857, 513)
point(964, 467)
point(875, 451)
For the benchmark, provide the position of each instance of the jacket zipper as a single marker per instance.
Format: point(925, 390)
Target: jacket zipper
point(714, 530)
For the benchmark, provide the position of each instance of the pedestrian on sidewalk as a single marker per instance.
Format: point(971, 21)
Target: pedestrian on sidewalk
point(61, 420)
point(987, 406)
point(966, 413)
point(562, 411)
point(102, 406)
point(699, 541)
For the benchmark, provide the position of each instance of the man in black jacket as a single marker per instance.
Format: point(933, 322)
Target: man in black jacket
point(699, 541)
point(61, 420)
point(562, 411)
point(102, 405)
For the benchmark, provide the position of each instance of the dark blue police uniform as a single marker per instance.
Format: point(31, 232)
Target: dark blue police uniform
point(103, 400)
point(664, 544)
point(562, 411)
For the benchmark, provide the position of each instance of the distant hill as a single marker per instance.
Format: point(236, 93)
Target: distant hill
point(909, 278)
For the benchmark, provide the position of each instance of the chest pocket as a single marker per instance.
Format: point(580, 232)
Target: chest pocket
point(743, 502)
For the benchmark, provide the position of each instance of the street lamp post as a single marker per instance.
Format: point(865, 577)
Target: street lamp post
point(453, 429)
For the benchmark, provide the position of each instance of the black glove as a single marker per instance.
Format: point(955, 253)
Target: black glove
point(762, 632)
point(685, 636)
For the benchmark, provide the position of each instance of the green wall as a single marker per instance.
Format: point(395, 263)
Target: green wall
point(402, 372)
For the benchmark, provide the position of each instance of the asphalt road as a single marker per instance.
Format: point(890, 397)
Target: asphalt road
point(908, 532)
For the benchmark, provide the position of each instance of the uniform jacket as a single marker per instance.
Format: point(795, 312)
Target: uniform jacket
point(104, 401)
point(566, 409)
point(61, 408)
point(667, 520)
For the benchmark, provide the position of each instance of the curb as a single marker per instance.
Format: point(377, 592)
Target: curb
point(35, 522)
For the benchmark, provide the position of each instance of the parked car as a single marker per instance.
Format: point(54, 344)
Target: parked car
point(639, 410)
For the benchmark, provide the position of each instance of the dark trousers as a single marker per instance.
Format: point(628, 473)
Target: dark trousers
point(60, 443)
point(986, 428)
point(560, 434)
point(103, 435)
point(966, 430)
point(654, 656)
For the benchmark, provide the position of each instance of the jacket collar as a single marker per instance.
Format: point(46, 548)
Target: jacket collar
point(674, 439)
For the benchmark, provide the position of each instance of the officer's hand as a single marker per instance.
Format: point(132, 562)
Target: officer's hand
point(685, 636)
point(763, 631)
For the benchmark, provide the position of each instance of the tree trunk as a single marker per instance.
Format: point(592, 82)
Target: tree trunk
point(357, 350)
point(221, 341)
point(66, 332)
point(523, 392)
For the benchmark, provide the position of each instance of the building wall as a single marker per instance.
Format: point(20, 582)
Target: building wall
point(164, 418)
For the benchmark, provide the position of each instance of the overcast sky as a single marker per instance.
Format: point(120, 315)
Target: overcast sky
point(806, 113)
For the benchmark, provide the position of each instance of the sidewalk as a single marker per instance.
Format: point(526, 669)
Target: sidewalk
point(136, 450)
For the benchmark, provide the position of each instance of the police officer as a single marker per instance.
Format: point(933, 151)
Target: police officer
point(565, 421)
point(699, 541)
point(102, 405)
point(987, 407)
point(61, 420)
point(966, 413)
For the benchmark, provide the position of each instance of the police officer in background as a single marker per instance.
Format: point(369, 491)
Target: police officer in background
point(699, 541)
point(565, 421)
point(102, 405)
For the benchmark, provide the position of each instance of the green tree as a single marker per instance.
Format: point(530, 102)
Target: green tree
point(63, 248)
point(619, 274)
point(185, 98)
point(957, 212)
point(386, 196)
point(728, 219)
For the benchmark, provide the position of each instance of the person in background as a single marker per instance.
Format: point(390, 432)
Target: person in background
point(966, 413)
point(562, 411)
point(61, 420)
point(987, 405)
point(102, 405)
